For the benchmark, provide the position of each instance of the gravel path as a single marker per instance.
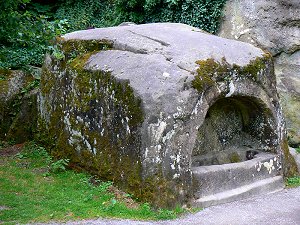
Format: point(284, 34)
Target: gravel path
point(279, 208)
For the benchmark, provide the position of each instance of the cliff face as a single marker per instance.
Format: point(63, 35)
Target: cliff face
point(275, 27)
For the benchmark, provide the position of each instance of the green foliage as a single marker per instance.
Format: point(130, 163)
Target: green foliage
point(25, 34)
point(27, 27)
point(35, 155)
point(59, 165)
point(56, 53)
point(293, 181)
point(298, 150)
point(32, 85)
point(204, 14)
point(85, 14)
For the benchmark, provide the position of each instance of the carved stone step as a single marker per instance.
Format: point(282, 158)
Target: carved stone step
point(213, 179)
point(268, 185)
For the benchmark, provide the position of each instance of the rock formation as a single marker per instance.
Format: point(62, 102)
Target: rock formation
point(273, 26)
point(145, 105)
point(18, 108)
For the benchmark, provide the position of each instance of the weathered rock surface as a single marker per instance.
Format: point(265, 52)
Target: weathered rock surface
point(275, 27)
point(296, 155)
point(287, 70)
point(18, 108)
point(131, 103)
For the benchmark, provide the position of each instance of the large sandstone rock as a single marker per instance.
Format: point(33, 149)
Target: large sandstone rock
point(132, 104)
point(273, 26)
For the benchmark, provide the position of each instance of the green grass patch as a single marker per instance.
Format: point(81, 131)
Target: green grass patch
point(34, 188)
point(293, 181)
point(298, 150)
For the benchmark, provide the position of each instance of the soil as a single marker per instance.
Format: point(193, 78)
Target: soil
point(11, 150)
point(120, 196)
point(123, 197)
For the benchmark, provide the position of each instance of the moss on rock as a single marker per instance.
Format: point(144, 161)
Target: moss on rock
point(234, 157)
point(73, 48)
point(24, 124)
point(290, 168)
point(95, 120)
point(210, 71)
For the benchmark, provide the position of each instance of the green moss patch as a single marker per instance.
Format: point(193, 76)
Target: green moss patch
point(234, 158)
point(73, 48)
point(210, 72)
point(290, 168)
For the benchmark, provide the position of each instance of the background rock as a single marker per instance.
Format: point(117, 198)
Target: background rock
point(275, 27)
point(296, 155)
point(18, 108)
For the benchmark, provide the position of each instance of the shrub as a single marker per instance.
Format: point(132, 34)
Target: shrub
point(84, 14)
point(25, 34)
point(27, 27)
point(204, 14)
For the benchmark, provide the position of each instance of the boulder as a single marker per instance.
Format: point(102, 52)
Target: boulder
point(273, 26)
point(18, 108)
point(140, 104)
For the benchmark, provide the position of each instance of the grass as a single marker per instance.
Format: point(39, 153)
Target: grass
point(293, 181)
point(34, 188)
point(298, 150)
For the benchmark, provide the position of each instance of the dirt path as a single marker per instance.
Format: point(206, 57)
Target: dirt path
point(280, 208)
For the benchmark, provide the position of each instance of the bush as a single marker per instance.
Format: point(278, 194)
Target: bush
point(25, 35)
point(84, 14)
point(204, 14)
point(27, 27)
